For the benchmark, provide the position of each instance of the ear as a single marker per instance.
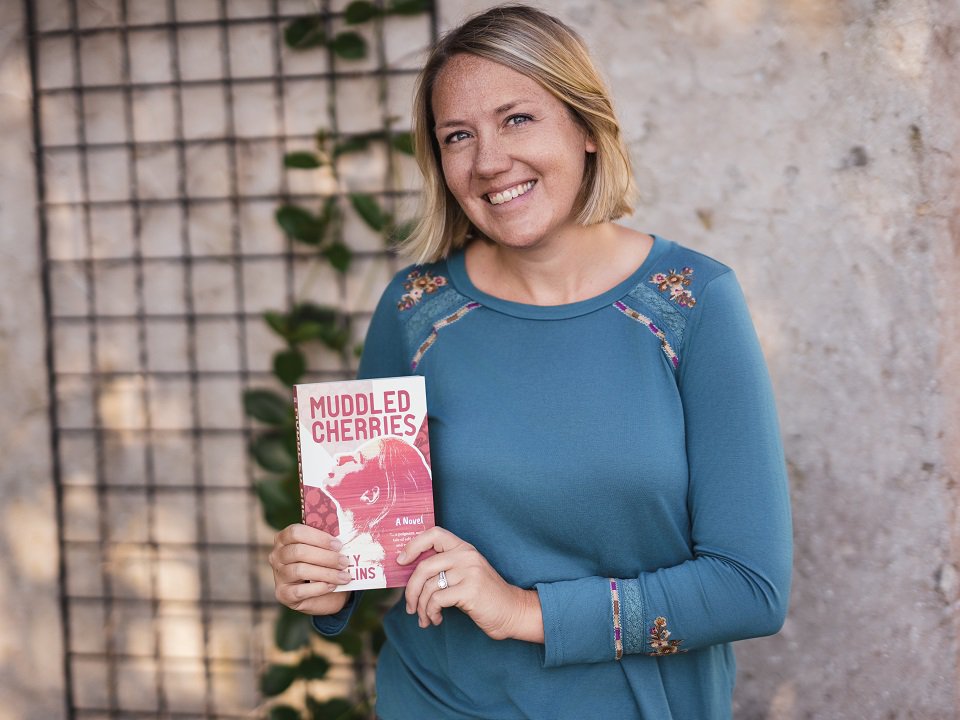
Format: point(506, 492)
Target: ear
point(590, 145)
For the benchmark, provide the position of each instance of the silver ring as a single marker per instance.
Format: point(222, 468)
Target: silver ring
point(442, 580)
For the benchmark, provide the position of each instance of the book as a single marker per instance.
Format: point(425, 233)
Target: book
point(364, 458)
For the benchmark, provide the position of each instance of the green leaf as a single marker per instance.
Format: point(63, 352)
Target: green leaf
point(278, 322)
point(272, 452)
point(314, 322)
point(292, 630)
point(369, 614)
point(277, 678)
point(358, 350)
point(289, 366)
point(305, 32)
point(335, 709)
point(360, 11)
point(301, 160)
point(280, 498)
point(349, 641)
point(349, 45)
point(313, 667)
point(267, 407)
point(403, 142)
point(336, 338)
point(358, 143)
point(338, 255)
point(300, 224)
point(330, 211)
point(407, 7)
point(369, 210)
point(307, 311)
point(283, 712)
point(305, 321)
point(307, 331)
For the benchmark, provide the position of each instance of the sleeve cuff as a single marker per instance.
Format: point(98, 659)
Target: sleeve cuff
point(578, 621)
point(330, 625)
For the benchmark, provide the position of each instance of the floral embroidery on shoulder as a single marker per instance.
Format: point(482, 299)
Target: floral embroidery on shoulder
point(659, 639)
point(676, 283)
point(416, 285)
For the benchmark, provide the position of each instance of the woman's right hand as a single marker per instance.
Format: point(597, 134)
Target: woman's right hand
point(307, 568)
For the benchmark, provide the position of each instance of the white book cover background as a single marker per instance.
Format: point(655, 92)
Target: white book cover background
point(365, 476)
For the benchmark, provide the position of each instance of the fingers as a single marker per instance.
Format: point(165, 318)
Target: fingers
point(432, 598)
point(425, 574)
point(306, 565)
point(293, 595)
point(303, 544)
point(299, 582)
point(436, 538)
point(451, 597)
point(300, 533)
point(310, 554)
point(305, 572)
point(317, 599)
point(423, 594)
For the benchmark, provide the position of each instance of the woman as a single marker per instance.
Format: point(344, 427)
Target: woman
point(607, 465)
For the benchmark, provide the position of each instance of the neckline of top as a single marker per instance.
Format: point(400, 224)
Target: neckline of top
point(457, 267)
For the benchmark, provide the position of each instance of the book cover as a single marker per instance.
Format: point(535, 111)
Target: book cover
point(364, 457)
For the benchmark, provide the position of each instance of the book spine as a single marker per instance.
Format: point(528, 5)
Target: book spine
point(296, 424)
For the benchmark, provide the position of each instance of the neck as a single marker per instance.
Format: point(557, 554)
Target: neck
point(565, 271)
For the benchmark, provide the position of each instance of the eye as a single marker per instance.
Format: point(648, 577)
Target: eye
point(516, 120)
point(455, 137)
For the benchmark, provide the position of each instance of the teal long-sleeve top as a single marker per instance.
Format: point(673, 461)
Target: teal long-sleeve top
point(621, 455)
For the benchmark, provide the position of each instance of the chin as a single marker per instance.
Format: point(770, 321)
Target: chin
point(517, 241)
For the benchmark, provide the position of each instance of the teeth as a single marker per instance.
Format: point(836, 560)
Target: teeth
point(509, 194)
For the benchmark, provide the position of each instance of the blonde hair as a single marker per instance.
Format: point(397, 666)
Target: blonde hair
point(544, 49)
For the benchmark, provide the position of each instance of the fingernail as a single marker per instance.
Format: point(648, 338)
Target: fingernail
point(344, 562)
point(409, 610)
point(402, 557)
point(336, 545)
point(344, 575)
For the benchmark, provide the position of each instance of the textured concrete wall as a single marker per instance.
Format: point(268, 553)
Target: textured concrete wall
point(813, 146)
point(31, 648)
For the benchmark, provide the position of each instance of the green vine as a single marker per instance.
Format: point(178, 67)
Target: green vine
point(306, 325)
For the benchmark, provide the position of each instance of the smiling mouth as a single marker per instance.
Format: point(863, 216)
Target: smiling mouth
point(499, 198)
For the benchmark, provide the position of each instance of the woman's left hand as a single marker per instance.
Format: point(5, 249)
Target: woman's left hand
point(499, 609)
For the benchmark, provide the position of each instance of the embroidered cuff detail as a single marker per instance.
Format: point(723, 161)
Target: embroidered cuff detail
point(437, 326)
point(617, 631)
point(659, 641)
point(664, 345)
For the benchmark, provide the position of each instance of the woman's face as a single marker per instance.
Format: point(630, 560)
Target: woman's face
point(512, 155)
point(357, 482)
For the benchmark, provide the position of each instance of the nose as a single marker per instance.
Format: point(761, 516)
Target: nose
point(492, 157)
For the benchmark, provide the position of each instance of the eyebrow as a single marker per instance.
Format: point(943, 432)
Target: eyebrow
point(506, 107)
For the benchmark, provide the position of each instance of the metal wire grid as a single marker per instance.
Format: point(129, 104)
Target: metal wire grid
point(152, 335)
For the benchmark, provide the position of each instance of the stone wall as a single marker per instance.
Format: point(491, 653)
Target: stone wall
point(813, 145)
point(31, 647)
